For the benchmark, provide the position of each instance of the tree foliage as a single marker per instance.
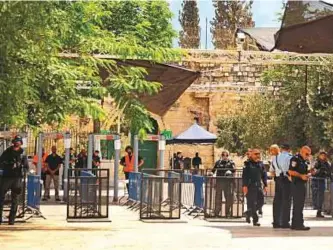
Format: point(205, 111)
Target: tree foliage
point(230, 15)
point(300, 113)
point(189, 36)
point(38, 86)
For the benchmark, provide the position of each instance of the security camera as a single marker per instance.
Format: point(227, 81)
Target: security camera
point(240, 37)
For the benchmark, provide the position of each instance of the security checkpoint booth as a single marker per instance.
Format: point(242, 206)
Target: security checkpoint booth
point(88, 189)
point(5, 138)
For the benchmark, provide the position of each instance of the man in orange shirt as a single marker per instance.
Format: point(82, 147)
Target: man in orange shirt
point(128, 162)
point(35, 162)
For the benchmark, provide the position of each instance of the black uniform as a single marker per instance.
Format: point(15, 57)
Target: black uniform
point(224, 185)
point(253, 176)
point(323, 171)
point(298, 190)
point(96, 159)
point(12, 163)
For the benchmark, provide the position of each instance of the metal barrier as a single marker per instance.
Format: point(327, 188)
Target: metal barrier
point(154, 195)
point(88, 195)
point(231, 204)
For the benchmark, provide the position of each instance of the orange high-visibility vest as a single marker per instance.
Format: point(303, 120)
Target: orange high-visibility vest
point(129, 163)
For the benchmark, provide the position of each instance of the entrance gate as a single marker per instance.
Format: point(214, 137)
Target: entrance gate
point(92, 140)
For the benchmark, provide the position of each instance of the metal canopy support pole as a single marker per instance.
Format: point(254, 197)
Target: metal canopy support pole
point(40, 154)
point(117, 147)
point(136, 153)
point(67, 142)
point(90, 150)
point(161, 148)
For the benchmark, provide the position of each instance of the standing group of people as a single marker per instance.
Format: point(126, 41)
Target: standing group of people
point(179, 162)
point(291, 174)
point(51, 165)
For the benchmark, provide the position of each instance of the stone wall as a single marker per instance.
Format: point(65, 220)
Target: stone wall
point(216, 94)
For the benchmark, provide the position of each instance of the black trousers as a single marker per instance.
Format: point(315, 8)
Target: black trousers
point(318, 191)
point(252, 201)
point(298, 191)
point(223, 186)
point(282, 201)
point(127, 178)
point(14, 184)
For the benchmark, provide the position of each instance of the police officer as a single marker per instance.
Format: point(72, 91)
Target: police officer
point(12, 161)
point(320, 172)
point(253, 176)
point(282, 198)
point(224, 168)
point(298, 171)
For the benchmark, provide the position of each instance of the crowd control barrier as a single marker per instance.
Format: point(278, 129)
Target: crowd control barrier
point(160, 197)
point(198, 206)
point(33, 196)
point(88, 195)
point(223, 198)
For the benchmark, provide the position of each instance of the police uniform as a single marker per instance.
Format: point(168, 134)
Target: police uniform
point(282, 198)
point(323, 171)
point(224, 168)
point(253, 176)
point(261, 197)
point(12, 161)
point(298, 191)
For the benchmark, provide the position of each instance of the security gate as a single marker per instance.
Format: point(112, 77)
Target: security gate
point(160, 197)
point(88, 195)
point(223, 197)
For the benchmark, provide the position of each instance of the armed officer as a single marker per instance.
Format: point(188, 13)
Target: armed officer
point(298, 171)
point(321, 171)
point(12, 161)
point(224, 168)
point(253, 176)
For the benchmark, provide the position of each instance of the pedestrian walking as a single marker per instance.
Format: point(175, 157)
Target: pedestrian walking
point(96, 162)
point(53, 163)
point(13, 163)
point(253, 177)
point(224, 167)
point(322, 170)
point(282, 198)
point(298, 171)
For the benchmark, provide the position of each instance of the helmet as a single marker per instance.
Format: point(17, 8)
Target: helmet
point(17, 139)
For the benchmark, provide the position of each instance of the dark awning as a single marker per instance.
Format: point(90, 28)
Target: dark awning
point(264, 37)
point(307, 27)
point(175, 81)
point(194, 135)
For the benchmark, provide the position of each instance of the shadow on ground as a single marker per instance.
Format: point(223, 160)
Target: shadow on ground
point(260, 232)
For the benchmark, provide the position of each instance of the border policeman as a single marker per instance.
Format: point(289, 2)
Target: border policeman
point(12, 162)
point(253, 175)
point(282, 197)
point(298, 171)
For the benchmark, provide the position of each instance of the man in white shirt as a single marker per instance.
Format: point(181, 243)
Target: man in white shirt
point(282, 199)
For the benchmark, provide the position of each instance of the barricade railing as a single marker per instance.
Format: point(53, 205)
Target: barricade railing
point(155, 191)
point(223, 197)
point(315, 193)
point(88, 195)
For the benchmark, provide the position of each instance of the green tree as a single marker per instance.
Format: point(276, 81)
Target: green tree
point(189, 36)
point(38, 86)
point(230, 15)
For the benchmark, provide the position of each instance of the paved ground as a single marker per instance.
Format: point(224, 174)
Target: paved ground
point(127, 232)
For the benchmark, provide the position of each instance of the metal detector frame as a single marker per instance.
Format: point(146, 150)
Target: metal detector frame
point(67, 143)
point(161, 148)
point(117, 147)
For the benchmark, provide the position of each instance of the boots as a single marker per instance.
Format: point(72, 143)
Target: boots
point(319, 214)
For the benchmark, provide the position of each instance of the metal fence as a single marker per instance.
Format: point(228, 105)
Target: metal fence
point(88, 194)
point(160, 196)
point(223, 197)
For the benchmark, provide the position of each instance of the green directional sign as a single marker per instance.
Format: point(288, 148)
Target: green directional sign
point(167, 134)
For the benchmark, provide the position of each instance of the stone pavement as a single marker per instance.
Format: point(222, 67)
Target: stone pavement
point(127, 232)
